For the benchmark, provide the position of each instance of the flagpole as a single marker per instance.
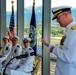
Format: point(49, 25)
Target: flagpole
point(32, 33)
point(11, 31)
point(33, 2)
point(12, 2)
point(13, 11)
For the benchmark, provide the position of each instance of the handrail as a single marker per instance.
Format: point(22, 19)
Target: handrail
point(51, 58)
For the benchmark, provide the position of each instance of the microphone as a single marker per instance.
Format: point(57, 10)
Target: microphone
point(21, 56)
point(24, 55)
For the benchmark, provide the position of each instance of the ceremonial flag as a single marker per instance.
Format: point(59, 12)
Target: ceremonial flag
point(11, 31)
point(32, 34)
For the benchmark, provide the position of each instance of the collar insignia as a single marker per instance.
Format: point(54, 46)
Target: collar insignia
point(73, 27)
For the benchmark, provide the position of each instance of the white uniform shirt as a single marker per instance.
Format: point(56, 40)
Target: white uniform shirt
point(16, 51)
point(66, 57)
point(6, 50)
point(27, 64)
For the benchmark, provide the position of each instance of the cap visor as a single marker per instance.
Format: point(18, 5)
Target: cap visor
point(53, 18)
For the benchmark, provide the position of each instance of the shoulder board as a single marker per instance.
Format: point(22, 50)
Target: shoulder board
point(7, 48)
point(15, 51)
point(73, 27)
point(8, 44)
point(18, 46)
point(30, 48)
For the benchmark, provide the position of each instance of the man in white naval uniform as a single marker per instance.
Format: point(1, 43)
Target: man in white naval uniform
point(15, 51)
point(6, 49)
point(66, 55)
point(26, 64)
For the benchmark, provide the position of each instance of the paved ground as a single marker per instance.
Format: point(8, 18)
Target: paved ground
point(52, 68)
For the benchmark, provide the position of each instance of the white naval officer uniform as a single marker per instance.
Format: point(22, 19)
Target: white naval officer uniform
point(6, 50)
point(66, 57)
point(16, 51)
point(26, 64)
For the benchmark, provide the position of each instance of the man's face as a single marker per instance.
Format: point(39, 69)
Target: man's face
point(26, 44)
point(61, 19)
point(5, 40)
point(14, 42)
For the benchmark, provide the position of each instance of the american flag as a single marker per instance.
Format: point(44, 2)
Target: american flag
point(11, 31)
point(32, 33)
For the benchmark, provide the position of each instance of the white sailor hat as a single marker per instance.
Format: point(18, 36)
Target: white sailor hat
point(26, 39)
point(5, 37)
point(15, 38)
point(57, 10)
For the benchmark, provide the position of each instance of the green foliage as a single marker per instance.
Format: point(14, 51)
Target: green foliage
point(26, 30)
point(55, 41)
point(59, 35)
point(57, 30)
point(40, 31)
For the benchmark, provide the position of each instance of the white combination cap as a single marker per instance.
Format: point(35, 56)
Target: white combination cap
point(57, 10)
point(5, 37)
point(26, 39)
point(15, 38)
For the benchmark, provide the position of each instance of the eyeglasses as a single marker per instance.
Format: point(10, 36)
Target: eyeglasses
point(65, 13)
point(14, 40)
point(25, 42)
point(59, 16)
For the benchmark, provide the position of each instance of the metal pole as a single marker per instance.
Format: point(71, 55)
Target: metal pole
point(20, 19)
point(46, 35)
point(2, 20)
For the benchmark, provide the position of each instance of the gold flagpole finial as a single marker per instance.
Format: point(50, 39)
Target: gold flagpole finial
point(33, 1)
point(12, 1)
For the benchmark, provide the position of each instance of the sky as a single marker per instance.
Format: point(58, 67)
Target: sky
point(27, 3)
point(71, 3)
point(54, 3)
